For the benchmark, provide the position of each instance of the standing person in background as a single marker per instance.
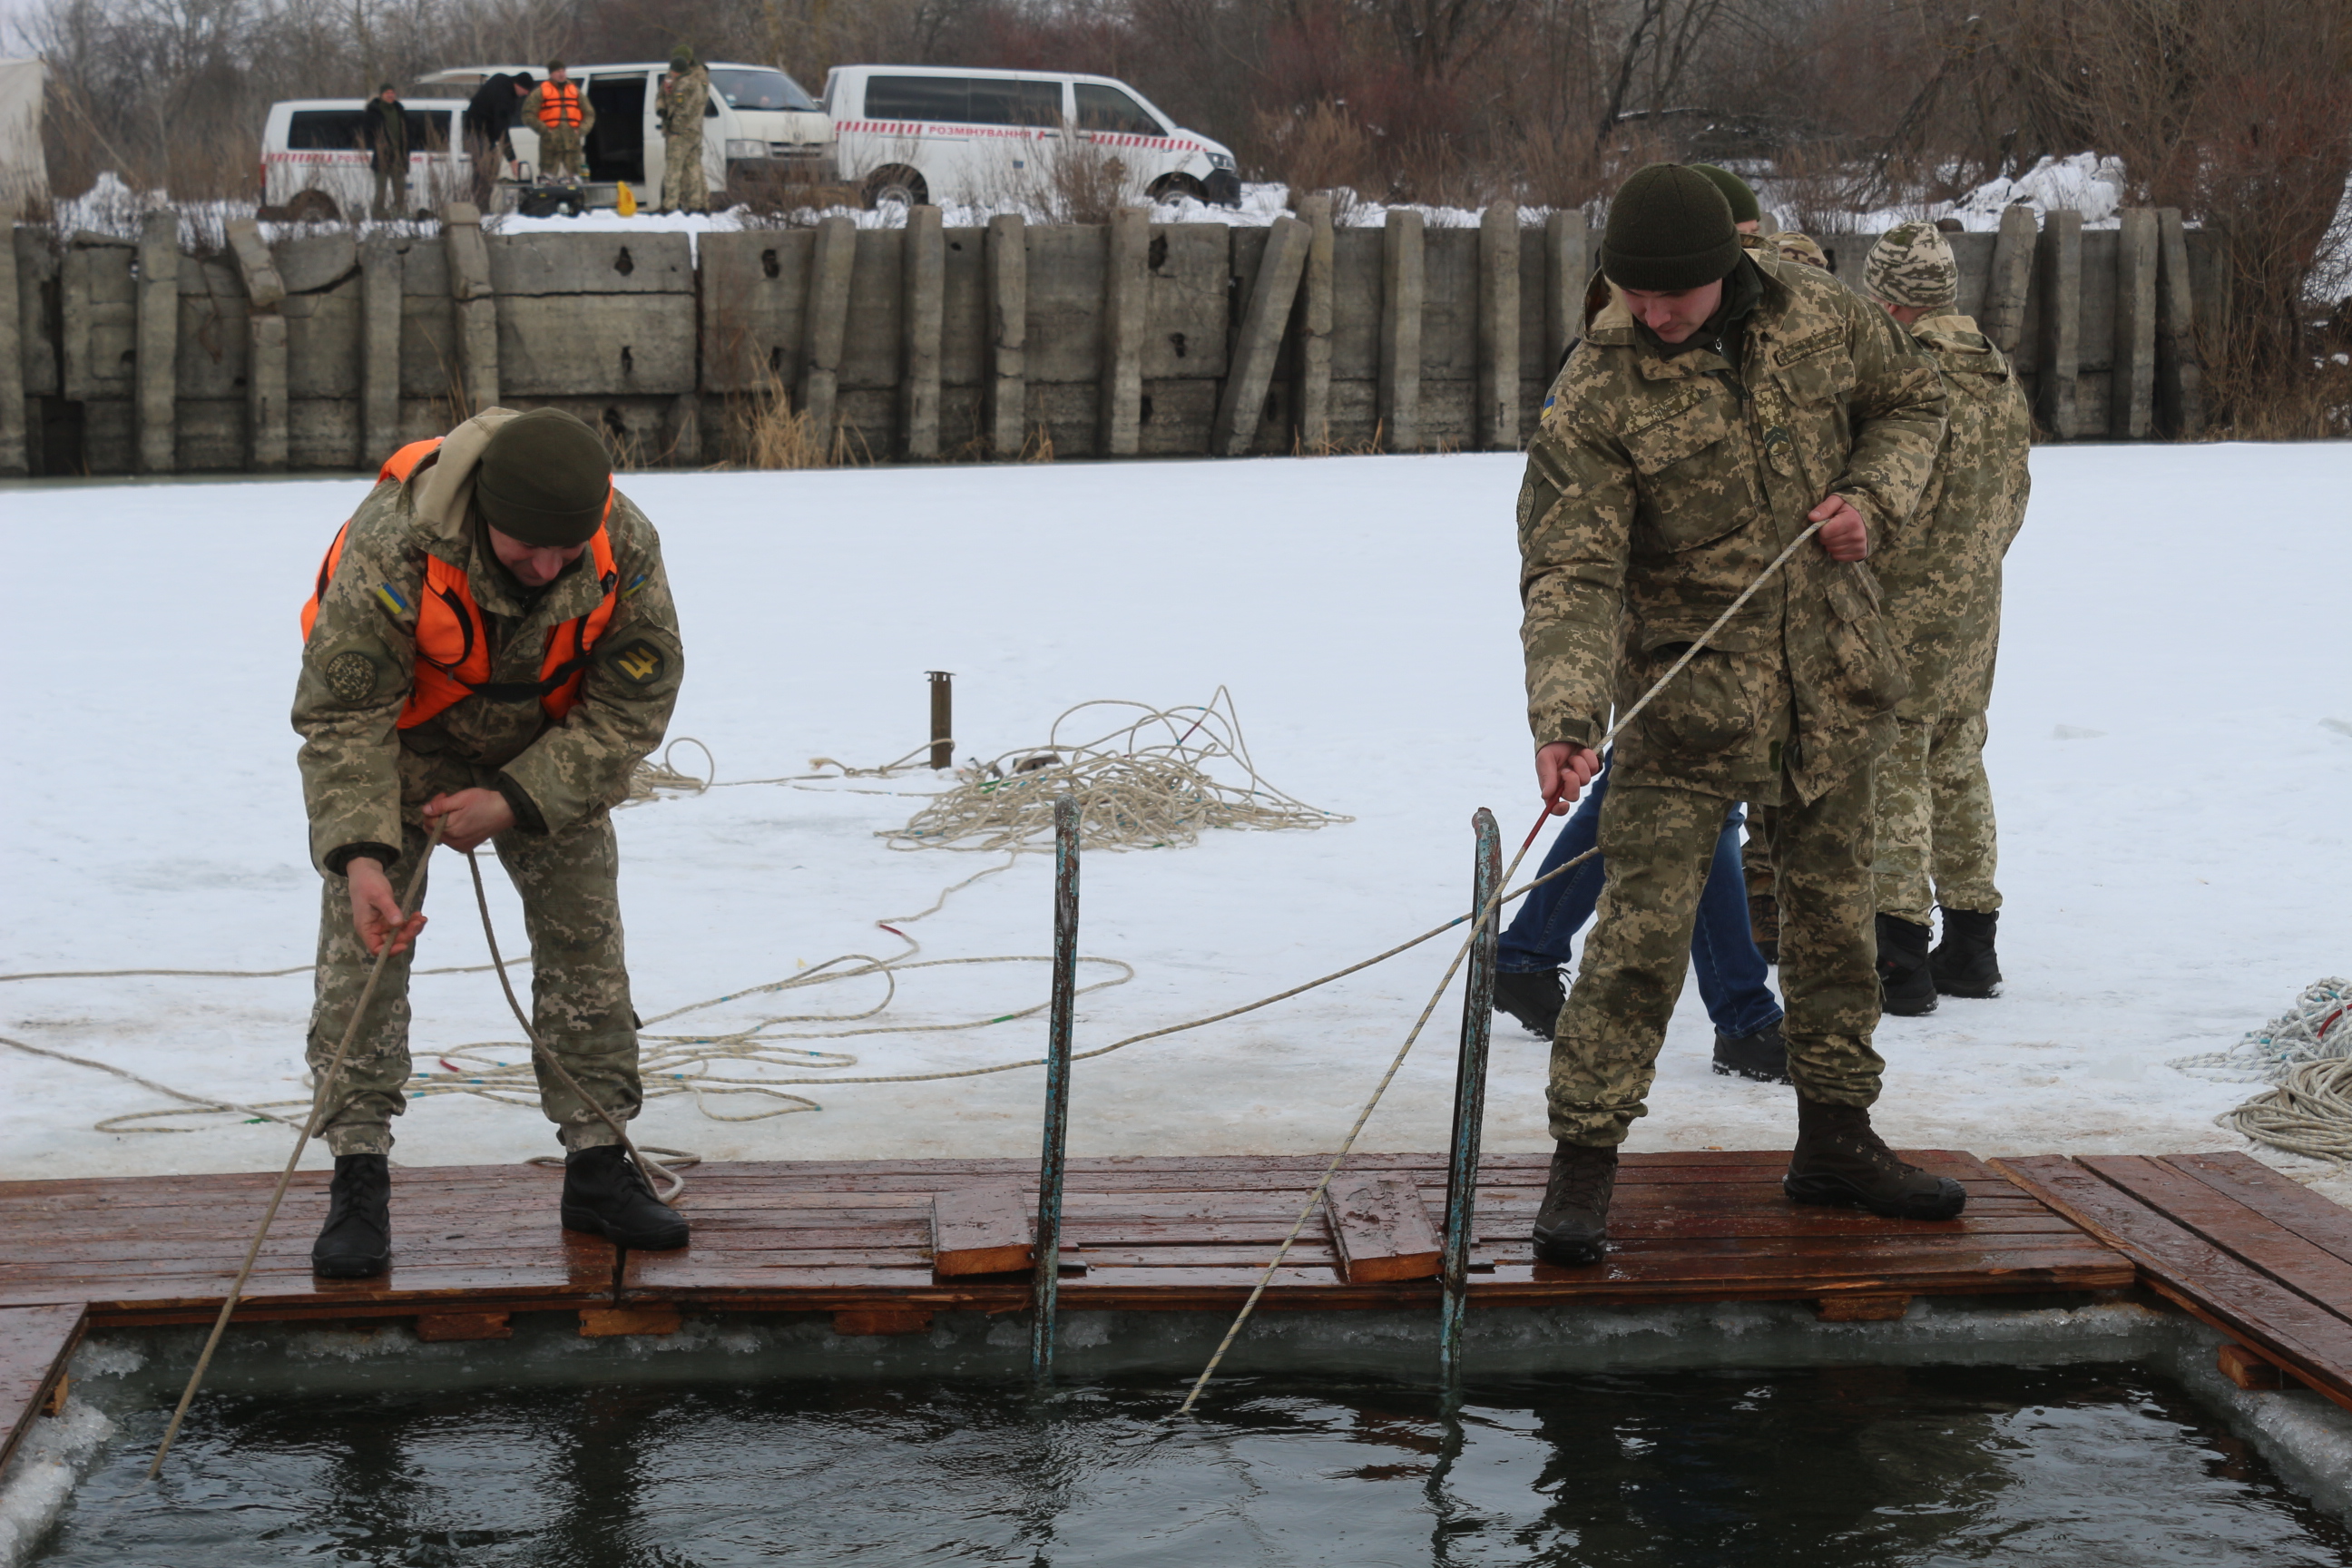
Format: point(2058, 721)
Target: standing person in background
point(489, 116)
point(685, 95)
point(1941, 574)
point(564, 117)
point(387, 138)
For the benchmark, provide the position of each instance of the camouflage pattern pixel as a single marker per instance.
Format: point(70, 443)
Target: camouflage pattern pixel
point(1659, 487)
point(580, 993)
point(680, 105)
point(1912, 265)
point(1658, 841)
point(1941, 572)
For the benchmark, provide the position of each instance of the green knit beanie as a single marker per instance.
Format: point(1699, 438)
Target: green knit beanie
point(681, 60)
point(1744, 206)
point(543, 479)
point(1669, 229)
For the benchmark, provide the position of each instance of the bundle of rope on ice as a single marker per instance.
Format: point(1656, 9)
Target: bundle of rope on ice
point(2306, 1054)
point(1145, 784)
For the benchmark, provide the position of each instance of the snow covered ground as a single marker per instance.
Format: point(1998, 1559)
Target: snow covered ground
point(2171, 746)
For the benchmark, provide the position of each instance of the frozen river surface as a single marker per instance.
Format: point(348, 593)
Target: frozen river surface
point(2171, 749)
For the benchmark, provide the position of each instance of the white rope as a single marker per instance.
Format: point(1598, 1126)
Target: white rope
point(2306, 1053)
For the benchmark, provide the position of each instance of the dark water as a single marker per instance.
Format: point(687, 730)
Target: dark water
point(2075, 1466)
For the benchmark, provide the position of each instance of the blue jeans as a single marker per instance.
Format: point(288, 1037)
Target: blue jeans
point(1731, 972)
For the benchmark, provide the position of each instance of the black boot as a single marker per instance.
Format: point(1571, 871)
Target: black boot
point(1532, 996)
point(356, 1241)
point(605, 1194)
point(1572, 1228)
point(1905, 987)
point(1964, 963)
point(1839, 1160)
point(1762, 1055)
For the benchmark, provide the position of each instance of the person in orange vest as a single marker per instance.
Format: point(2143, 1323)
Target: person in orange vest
point(560, 112)
point(489, 645)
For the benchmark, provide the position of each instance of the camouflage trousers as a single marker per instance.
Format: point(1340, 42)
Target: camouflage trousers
point(558, 151)
point(1658, 842)
point(1936, 839)
point(683, 185)
point(579, 992)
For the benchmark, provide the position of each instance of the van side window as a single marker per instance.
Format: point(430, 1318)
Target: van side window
point(333, 131)
point(935, 97)
point(1107, 109)
point(995, 101)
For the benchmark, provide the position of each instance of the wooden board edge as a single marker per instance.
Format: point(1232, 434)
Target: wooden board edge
point(78, 1325)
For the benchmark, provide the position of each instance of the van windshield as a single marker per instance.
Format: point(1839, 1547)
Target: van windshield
point(747, 87)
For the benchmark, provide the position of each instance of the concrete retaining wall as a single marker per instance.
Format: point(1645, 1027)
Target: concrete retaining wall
point(1128, 339)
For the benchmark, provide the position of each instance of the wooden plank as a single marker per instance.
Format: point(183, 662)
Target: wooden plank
point(434, 1328)
point(2013, 275)
point(2237, 1227)
point(2203, 1279)
point(1862, 1306)
point(651, 1318)
point(2278, 1197)
point(34, 1342)
point(2250, 1370)
point(982, 1230)
point(1315, 319)
point(1380, 1230)
point(866, 1320)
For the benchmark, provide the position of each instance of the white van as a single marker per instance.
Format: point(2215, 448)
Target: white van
point(319, 145)
point(943, 133)
point(758, 124)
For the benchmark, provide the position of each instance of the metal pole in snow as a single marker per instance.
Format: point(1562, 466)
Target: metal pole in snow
point(942, 717)
point(1469, 1105)
point(1048, 1256)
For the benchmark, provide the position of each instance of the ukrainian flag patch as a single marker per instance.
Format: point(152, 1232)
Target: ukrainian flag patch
point(637, 583)
point(391, 598)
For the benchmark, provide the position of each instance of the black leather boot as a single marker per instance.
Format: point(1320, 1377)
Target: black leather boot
point(605, 1194)
point(1762, 1055)
point(1572, 1227)
point(356, 1241)
point(1839, 1160)
point(1964, 963)
point(1905, 987)
point(1532, 996)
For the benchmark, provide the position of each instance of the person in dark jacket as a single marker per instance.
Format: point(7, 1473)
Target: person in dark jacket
point(489, 116)
point(387, 141)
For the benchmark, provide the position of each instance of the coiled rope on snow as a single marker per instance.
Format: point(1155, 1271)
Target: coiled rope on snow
point(2306, 1054)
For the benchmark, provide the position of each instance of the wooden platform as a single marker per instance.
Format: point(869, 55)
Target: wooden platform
point(2231, 1241)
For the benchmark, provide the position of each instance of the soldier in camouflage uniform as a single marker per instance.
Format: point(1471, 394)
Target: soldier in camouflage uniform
point(1723, 401)
point(562, 114)
point(1941, 574)
point(685, 93)
point(491, 645)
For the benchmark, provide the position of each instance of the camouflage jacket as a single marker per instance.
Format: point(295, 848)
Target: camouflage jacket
point(1660, 485)
point(1942, 573)
point(362, 774)
point(680, 105)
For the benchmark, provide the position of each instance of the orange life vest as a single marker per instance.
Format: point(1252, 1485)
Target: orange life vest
point(558, 105)
point(453, 644)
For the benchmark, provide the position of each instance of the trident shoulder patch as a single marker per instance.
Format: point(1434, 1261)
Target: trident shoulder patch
point(351, 675)
point(640, 663)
